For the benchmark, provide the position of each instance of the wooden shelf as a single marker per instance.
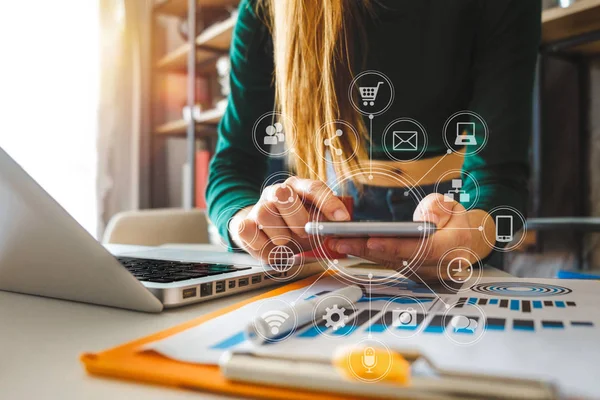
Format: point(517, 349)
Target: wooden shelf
point(213, 42)
point(210, 117)
point(564, 23)
point(204, 126)
point(179, 7)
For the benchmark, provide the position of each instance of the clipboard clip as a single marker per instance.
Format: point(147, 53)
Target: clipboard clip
point(406, 373)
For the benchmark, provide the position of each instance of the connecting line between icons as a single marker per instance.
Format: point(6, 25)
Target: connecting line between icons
point(308, 166)
point(463, 229)
point(370, 145)
point(370, 309)
point(280, 227)
point(425, 174)
point(311, 285)
point(428, 287)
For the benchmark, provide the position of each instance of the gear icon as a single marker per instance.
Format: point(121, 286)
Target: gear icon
point(335, 317)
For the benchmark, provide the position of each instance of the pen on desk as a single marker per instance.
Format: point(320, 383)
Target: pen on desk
point(258, 330)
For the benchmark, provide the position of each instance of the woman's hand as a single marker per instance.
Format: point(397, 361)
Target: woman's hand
point(281, 213)
point(456, 229)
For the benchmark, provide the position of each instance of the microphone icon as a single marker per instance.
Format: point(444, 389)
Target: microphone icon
point(369, 359)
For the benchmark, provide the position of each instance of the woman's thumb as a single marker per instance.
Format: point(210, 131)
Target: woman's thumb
point(433, 208)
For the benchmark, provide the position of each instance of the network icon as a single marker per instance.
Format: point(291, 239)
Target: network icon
point(457, 191)
point(328, 142)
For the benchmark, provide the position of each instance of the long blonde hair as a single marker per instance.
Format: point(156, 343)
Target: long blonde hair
point(313, 53)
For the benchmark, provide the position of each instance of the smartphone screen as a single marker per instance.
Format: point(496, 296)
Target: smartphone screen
point(504, 228)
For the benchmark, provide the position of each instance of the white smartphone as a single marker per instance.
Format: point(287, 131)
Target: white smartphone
point(370, 229)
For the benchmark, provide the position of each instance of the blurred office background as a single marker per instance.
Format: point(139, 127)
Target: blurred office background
point(112, 105)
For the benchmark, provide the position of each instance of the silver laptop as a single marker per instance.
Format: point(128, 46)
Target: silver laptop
point(45, 252)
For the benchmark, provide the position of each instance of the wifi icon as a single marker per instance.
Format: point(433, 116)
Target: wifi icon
point(275, 319)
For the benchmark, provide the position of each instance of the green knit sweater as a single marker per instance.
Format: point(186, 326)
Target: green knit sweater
point(442, 56)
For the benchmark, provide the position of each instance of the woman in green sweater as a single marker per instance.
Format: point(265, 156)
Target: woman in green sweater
point(297, 69)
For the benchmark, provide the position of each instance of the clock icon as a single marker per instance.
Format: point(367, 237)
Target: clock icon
point(459, 270)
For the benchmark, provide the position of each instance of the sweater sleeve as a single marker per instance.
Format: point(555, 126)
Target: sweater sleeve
point(504, 69)
point(238, 168)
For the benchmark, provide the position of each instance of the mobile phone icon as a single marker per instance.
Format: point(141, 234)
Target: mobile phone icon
point(504, 228)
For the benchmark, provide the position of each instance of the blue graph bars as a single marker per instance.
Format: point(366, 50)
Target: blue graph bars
point(515, 304)
point(435, 323)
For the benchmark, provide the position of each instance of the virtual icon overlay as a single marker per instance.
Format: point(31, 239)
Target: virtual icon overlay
point(368, 360)
point(403, 315)
point(464, 190)
point(275, 320)
point(509, 228)
point(269, 134)
point(465, 132)
point(412, 262)
point(282, 262)
point(371, 93)
point(375, 306)
point(459, 269)
point(288, 202)
point(368, 94)
point(331, 148)
point(404, 140)
point(465, 323)
point(335, 315)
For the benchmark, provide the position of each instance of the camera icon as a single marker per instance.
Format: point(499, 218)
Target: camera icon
point(404, 317)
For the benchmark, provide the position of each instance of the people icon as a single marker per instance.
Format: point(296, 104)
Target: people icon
point(274, 133)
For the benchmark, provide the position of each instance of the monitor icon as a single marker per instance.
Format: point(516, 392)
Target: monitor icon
point(465, 134)
point(504, 228)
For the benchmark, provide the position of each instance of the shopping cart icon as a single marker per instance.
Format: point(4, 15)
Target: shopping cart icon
point(368, 94)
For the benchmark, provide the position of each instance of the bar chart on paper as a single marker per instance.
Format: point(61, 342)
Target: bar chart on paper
point(374, 321)
point(508, 321)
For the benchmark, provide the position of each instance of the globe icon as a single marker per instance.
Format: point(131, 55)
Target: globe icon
point(281, 258)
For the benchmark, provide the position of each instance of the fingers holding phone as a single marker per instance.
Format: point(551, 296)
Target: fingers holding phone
point(279, 217)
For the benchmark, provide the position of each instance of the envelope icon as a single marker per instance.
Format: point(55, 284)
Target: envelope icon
point(405, 140)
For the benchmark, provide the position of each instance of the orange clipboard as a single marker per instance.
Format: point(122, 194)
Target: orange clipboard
point(128, 362)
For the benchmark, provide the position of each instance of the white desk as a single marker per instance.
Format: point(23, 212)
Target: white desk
point(41, 340)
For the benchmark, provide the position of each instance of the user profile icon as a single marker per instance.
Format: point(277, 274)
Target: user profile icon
point(274, 134)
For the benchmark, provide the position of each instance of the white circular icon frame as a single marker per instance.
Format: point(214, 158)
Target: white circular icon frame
point(478, 147)
point(296, 266)
point(287, 146)
point(394, 330)
point(329, 147)
point(506, 248)
point(481, 324)
point(420, 128)
point(469, 176)
point(259, 315)
point(355, 81)
point(466, 284)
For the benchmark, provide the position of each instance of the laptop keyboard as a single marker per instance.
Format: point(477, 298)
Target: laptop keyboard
point(161, 271)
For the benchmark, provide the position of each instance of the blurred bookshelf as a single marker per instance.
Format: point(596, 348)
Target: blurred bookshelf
point(567, 26)
point(205, 125)
point(179, 8)
point(210, 44)
point(191, 41)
